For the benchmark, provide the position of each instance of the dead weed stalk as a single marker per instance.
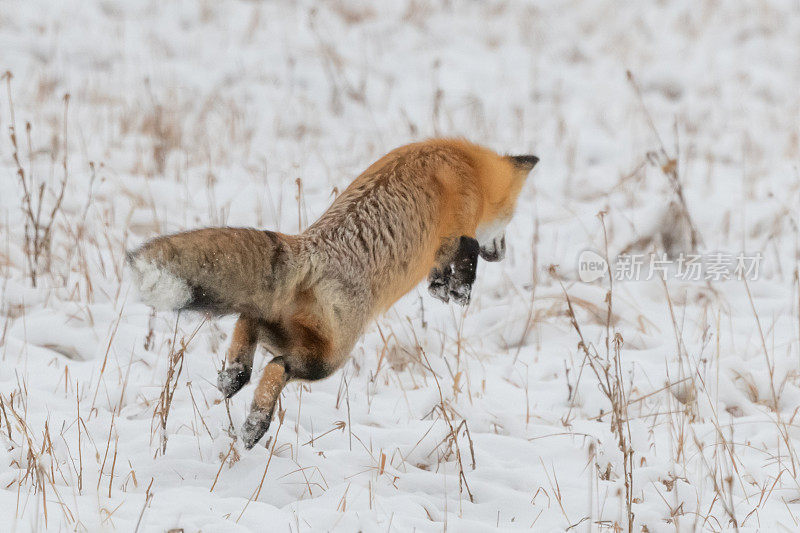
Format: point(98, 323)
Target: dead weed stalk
point(176, 355)
point(39, 219)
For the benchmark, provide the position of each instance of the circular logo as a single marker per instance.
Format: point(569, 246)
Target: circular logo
point(591, 266)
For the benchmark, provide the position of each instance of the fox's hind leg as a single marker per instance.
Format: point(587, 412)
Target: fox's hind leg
point(239, 359)
point(273, 379)
point(307, 354)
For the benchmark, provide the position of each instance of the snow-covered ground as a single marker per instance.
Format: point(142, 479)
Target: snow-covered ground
point(184, 114)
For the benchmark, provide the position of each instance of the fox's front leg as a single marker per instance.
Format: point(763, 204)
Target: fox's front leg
point(239, 359)
point(465, 265)
point(494, 250)
point(439, 282)
point(440, 275)
point(454, 274)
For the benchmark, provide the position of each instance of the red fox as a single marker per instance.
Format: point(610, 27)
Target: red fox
point(429, 208)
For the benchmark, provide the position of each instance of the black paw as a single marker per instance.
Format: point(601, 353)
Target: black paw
point(255, 426)
point(232, 379)
point(495, 250)
point(460, 291)
point(439, 284)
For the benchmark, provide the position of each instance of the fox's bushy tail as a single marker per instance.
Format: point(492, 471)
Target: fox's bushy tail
point(218, 270)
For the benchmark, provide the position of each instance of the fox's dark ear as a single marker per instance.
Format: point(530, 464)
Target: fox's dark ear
point(524, 163)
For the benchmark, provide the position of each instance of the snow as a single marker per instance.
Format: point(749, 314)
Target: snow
point(255, 114)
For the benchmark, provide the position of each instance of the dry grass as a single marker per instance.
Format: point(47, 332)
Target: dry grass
point(41, 200)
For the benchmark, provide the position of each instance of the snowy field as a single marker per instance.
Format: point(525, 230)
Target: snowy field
point(677, 412)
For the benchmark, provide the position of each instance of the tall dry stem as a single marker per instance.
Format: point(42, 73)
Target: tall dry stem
point(39, 220)
point(176, 355)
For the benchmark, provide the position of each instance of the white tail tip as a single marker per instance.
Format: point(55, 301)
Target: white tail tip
point(159, 288)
